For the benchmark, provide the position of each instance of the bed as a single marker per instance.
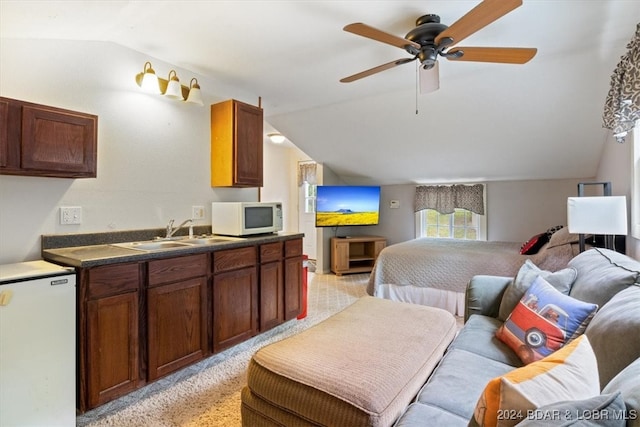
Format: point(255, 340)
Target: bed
point(435, 272)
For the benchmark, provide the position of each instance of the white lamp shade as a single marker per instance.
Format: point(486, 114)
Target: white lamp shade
point(150, 83)
point(597, 215)
point(174, 90)
point(195, 97)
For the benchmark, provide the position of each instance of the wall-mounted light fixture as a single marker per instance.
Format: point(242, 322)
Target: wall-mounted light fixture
point(276, 138)
point(171, 88)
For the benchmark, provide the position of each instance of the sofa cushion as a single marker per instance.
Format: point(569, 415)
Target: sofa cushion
point(570, 373)
point(420, 414)
point(606, 410)
point(561, 237)
point(614, 333)
point(627, 382)
point(602, 273)
point(543, 321)
point(561, 280)
point(479, 336)
point(458, 381)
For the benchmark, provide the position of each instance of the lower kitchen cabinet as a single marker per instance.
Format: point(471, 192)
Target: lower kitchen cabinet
point(140, 321)
point(109, 354)
point(235, 297)
point(292, 278)
point(271, 286)
point(176, 314)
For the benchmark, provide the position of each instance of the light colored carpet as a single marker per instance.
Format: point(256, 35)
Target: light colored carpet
point(208, 393)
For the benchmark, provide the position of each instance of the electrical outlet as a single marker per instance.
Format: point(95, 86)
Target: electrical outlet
point(70, 215)
point(197, 212)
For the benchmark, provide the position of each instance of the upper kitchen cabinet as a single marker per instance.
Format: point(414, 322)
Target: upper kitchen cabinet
point(39, 140)
point(236, 144)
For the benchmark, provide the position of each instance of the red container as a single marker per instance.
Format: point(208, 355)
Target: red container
point(305, 270)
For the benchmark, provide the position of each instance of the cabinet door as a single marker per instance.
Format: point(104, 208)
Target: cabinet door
point(58, 143)
point(292, 287)
point(177, 325)
point(340, 255)
point(248, 145)
point(4, 133)
point(235, 307)
point(271, 295)
point(113, 358)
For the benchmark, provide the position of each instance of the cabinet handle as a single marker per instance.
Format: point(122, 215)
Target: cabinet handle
point(5, 297)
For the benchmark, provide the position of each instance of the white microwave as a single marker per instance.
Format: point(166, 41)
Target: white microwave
point(245, 218)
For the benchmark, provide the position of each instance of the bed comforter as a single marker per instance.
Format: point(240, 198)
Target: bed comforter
point(449, 264)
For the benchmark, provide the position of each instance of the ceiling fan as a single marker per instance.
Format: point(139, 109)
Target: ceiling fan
point(431, 39)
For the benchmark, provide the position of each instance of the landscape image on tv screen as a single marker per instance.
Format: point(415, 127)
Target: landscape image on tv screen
point(347, 205)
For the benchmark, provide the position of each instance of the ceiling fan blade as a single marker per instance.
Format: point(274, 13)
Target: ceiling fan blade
point(480, 16)
point(375, 70)
point(506, 55)
point(429, 79)
point(365, 30)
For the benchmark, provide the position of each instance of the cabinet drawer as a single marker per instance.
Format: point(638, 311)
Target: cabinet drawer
point(170, 270)
point(270, 252)
point(233, 259)
point(113, 279)
point(293, 248)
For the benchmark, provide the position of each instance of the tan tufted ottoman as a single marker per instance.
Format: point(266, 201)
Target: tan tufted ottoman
point(360, 367)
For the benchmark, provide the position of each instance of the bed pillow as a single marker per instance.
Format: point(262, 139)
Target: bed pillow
point(543, 321)
point(570, 373)
point(562, 237)
point(534, 244)
point(561, 280)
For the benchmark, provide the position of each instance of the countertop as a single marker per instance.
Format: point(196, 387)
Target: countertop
point(106, 253)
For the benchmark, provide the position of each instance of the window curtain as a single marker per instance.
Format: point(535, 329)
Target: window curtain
point(622, 106)
point(446, 198)
point(306, 173)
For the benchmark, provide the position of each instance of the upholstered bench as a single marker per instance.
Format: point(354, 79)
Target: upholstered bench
point(360, 367)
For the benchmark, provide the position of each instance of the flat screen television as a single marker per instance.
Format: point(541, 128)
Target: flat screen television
point(347, 205)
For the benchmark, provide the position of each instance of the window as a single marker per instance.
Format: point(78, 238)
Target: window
point(462, 224)
point(309, 191)
point(635, 184)
point(451, 211)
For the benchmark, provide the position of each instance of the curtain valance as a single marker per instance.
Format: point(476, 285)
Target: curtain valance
point(446, 198)
point(307, 173)
point(622, 106)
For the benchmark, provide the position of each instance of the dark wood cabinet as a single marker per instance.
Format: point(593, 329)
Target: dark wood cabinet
point(40, 140)
point(271, 285)
point(236, 144)
point(109, 353)
point(176, 313)
point(140, 321)
point(292, 278)
point(235, 297)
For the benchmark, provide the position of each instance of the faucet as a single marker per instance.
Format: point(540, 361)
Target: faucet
point(171, 231)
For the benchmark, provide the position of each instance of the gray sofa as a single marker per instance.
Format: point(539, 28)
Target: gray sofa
point(476, 356)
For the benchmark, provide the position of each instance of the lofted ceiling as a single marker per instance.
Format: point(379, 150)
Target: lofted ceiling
point(540, 120)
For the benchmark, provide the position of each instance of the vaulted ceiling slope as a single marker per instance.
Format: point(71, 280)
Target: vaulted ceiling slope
point(540, 120)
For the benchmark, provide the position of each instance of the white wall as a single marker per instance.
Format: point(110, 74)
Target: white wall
point(615, 166)
point(153, 153)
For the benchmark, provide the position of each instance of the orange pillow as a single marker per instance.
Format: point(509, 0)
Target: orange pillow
point(570, 373)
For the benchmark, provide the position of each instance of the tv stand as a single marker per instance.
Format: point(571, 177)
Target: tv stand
point(356, 254)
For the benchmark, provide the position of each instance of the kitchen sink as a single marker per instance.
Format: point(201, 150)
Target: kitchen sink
point(152, 245)
point(209, 240)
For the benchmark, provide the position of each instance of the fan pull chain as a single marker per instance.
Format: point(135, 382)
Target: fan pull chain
point(417, 83)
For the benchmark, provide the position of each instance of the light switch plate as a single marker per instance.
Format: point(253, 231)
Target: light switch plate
point(197, 212)
point(394, 204)
point(70, 215)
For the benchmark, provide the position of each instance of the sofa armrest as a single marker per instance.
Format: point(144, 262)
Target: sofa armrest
point(484, 294)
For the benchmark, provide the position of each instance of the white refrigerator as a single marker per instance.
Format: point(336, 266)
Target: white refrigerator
point(37, 345)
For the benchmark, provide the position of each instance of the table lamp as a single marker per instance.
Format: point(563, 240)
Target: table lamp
point(605, 215)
